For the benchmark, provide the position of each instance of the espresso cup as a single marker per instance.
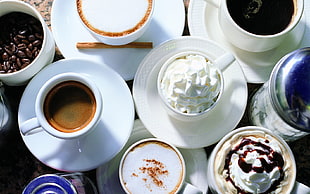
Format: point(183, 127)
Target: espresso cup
point(69, 105)
point(154, 166)
point(116, 22)
point(251, 160)
point(257, 25)
point(38, 60)
point(190, 84)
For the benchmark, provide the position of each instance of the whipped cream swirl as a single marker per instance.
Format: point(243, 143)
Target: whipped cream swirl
point(191, 84)
point(255, 166)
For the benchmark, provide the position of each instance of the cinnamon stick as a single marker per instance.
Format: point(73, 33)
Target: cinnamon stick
point(99, 45)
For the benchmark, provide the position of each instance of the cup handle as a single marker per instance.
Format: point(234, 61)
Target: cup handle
point(224, 61)
point(215, 3)
point(30, 126)
point(300, 188)
point(188, 188)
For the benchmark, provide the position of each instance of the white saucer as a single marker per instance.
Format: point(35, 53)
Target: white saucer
point(168, 22)
point(104, 142)
point(195, 159)
point(225, 116)
point(203, 21)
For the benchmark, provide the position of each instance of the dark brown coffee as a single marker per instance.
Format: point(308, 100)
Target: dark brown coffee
point(262, 17)
point(69, 106)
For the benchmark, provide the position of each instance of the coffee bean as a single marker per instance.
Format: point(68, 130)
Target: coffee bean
point(21, 54)
point(37, 43)
point(31, 38)
point(21, 40)
point(5, 56)
point(28, 53)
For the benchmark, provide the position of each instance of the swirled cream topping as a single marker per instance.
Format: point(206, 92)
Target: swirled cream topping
point(255, 166)
point(191, 84)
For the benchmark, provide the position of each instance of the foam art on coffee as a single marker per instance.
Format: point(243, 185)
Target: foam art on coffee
point(191, 84)
point(152, 167)
point(114, 18)
point(253, 164)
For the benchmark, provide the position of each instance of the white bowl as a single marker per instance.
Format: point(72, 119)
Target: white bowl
point(46, 54)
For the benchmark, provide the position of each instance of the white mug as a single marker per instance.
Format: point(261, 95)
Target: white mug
point(46, 54)
point(219, 64)
point(248, 41)
point(77, 116)
point(154, 166)
point(115, 22)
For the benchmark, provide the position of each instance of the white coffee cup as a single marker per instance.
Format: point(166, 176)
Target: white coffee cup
point(249, 41)
point(116, 22)
point(219, 65)
point(154, 166)
point(46, 54)
point(79, 107)
point(219, 176)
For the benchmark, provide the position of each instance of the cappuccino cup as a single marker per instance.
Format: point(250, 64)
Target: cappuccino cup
point(258, 25)
point(154, 166)
point(190, 84)
point(116, 22)
point(251, 160)
point(68, 106)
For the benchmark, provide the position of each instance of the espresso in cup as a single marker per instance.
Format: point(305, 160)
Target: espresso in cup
point(69, 106)
point(262, 17)
point(251, 160)
point(152, 166)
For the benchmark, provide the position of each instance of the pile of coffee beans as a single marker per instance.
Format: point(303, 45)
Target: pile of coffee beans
point(21, 40)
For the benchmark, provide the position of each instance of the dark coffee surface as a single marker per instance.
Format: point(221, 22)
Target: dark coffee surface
point(69, 106)
point(261, 17)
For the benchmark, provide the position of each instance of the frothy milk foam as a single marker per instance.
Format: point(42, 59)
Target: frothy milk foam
point(114, 18)
point(152, 167)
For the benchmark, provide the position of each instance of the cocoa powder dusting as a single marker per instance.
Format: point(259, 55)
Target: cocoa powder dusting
point(154, 169)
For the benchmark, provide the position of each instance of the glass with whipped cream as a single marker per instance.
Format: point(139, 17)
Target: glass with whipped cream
point(190, 84)
point(251, 160)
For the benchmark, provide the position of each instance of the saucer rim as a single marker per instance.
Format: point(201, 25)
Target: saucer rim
point(26, 112)
point(197, 15)
point(151, 119)
point(197, 179)
point(113, 57)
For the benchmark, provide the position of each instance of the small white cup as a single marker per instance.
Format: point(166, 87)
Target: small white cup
point(217, 177)
point(47, 51)
point(221, 63)
point(149, 165)
point(250, 41)
point(40, 121)
point(115, 22)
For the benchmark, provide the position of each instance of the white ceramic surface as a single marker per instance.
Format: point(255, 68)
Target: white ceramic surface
point(104, 142)
point(203, 21)
point(105, 17)
point(167, 23)
point(198, 134)
point(46, 54)
point(195, 161)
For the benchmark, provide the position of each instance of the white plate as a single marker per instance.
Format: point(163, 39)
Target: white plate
point(168, 22)
point(225, 116)
point(104, 142)
point(195, 159)
point(203, 21)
